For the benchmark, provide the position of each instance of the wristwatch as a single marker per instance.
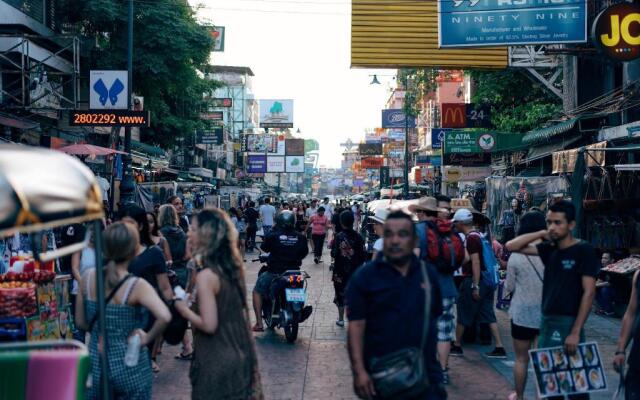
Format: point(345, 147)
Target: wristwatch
point(475, 286)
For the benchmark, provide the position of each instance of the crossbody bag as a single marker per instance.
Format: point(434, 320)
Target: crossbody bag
point(403, 374)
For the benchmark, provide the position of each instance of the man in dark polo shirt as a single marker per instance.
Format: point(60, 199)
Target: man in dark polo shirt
point(385, 306)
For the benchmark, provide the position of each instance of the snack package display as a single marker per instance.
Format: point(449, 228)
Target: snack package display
point(558, 373)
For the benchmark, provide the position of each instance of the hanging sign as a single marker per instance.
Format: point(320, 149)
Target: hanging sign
point(616, 31)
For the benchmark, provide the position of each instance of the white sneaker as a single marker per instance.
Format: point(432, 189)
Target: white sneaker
point(340, 323)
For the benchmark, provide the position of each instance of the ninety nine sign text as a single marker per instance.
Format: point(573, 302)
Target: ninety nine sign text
point(109, 118)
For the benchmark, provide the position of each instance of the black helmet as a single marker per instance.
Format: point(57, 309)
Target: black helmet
point(286, 219)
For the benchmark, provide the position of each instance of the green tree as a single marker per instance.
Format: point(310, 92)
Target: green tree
point(518, 104)
point(169, 45)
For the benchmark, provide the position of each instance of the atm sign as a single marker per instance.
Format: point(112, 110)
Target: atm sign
point(616, 31)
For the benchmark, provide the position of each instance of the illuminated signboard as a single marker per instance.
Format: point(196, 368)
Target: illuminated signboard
point(108, 118)
point(616, 31)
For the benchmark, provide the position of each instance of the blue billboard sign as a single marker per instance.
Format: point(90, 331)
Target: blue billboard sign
point(256, 164)
point(437, 137)
point(394, 118)
point(473, 23)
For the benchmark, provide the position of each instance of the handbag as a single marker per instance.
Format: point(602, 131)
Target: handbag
point(403, 374)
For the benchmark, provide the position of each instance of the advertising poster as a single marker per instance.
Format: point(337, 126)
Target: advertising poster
point(276, 113)
point(294, 164)
point(254, 143)
point(558, 374)
point(256, 164)
point(477, 23)
point(276, 164)
point(395, 118)
point(217, 33)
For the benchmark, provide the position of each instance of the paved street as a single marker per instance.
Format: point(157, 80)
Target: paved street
point(317, 366)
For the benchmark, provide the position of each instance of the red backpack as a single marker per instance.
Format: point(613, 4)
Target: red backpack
point(441, 246)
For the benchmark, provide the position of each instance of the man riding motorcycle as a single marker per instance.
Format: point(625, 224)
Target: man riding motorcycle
point(287, 248)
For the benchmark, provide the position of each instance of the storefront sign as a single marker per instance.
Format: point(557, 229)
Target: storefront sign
point(108, 90)
point(396, 173)
point(122, 118)
point(466, 174)
point(276, 113)
point(275, 164)
point(616, 31)
point(256, 164)
point(370, 149)
point(437, 137)
point(460, 115)
point(423, 160)
point(467, 159)
point(294, 147)
point(294, 164)
point(395, 118)
point(214, 136)
point(477, 23)
point(212, 116)
point(372, 162)
point(221, 102)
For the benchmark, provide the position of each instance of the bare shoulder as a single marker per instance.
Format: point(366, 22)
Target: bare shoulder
point(207, 278)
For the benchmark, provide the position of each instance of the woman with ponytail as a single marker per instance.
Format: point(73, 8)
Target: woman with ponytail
point(225, 365)
point(126, 295)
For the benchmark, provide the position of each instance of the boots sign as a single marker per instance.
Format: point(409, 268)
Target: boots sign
point(616, 31)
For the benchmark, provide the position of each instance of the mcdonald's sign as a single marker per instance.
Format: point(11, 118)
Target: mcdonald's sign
point(454, 115)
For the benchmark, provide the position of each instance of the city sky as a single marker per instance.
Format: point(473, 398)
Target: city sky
point(300, 49)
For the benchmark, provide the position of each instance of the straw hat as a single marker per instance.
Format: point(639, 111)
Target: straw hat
point(426, 204)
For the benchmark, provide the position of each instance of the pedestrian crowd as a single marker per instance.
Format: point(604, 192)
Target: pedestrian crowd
point(412, 286)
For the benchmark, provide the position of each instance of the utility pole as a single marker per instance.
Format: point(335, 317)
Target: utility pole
point(127, 186)
point(405, 175)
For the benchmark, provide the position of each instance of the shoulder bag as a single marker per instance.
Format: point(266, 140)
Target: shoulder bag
point(403, 373)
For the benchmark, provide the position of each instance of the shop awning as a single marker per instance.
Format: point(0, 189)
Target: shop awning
point(545, 134)
point(147, 149)
point(18, 123)
point(536, 153)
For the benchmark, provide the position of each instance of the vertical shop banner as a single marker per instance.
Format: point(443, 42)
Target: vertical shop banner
point(256, 164)
point(437, 137)
point(395, 118)
point(384, 176)
point(560, 374)
point(218, 36)
point(276, 113)
point(294, 164)
point(294, 147)
point(276, 164)
point(475, 23)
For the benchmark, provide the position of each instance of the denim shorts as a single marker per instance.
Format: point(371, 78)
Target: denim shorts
point(263, 284)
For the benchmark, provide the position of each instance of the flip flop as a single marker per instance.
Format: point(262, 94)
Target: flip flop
point(185, 357)
point(257, 329)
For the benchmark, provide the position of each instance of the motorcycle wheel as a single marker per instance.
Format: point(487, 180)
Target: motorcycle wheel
point(267, 315)
point(291, 332)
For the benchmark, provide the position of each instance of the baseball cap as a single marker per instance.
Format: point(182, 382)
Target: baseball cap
point(463, 215)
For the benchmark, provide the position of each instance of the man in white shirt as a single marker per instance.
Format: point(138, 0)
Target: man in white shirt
point(267, 214)
point(312, 209)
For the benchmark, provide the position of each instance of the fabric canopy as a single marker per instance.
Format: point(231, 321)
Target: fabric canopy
point(42, 188)
point(89, 150)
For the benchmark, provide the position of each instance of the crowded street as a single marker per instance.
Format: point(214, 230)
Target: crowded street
point(317, 366)
point(319, 199)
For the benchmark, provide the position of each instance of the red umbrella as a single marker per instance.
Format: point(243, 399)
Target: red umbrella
point(89, 150)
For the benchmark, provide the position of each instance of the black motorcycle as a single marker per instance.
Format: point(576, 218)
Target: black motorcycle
point(284, 308)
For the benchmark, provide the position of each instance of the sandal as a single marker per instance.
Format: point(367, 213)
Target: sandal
point(185, 357)
point(257, 328)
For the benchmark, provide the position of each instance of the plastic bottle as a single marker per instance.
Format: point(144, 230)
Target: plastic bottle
point(132, 355)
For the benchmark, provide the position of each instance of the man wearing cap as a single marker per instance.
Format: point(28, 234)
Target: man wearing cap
point(378, 221)
point(475, 301)
point(428, 213)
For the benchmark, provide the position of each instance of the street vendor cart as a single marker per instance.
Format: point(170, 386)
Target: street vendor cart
point(42, 189)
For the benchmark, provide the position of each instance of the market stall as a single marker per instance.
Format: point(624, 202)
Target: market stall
point(34, 300)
